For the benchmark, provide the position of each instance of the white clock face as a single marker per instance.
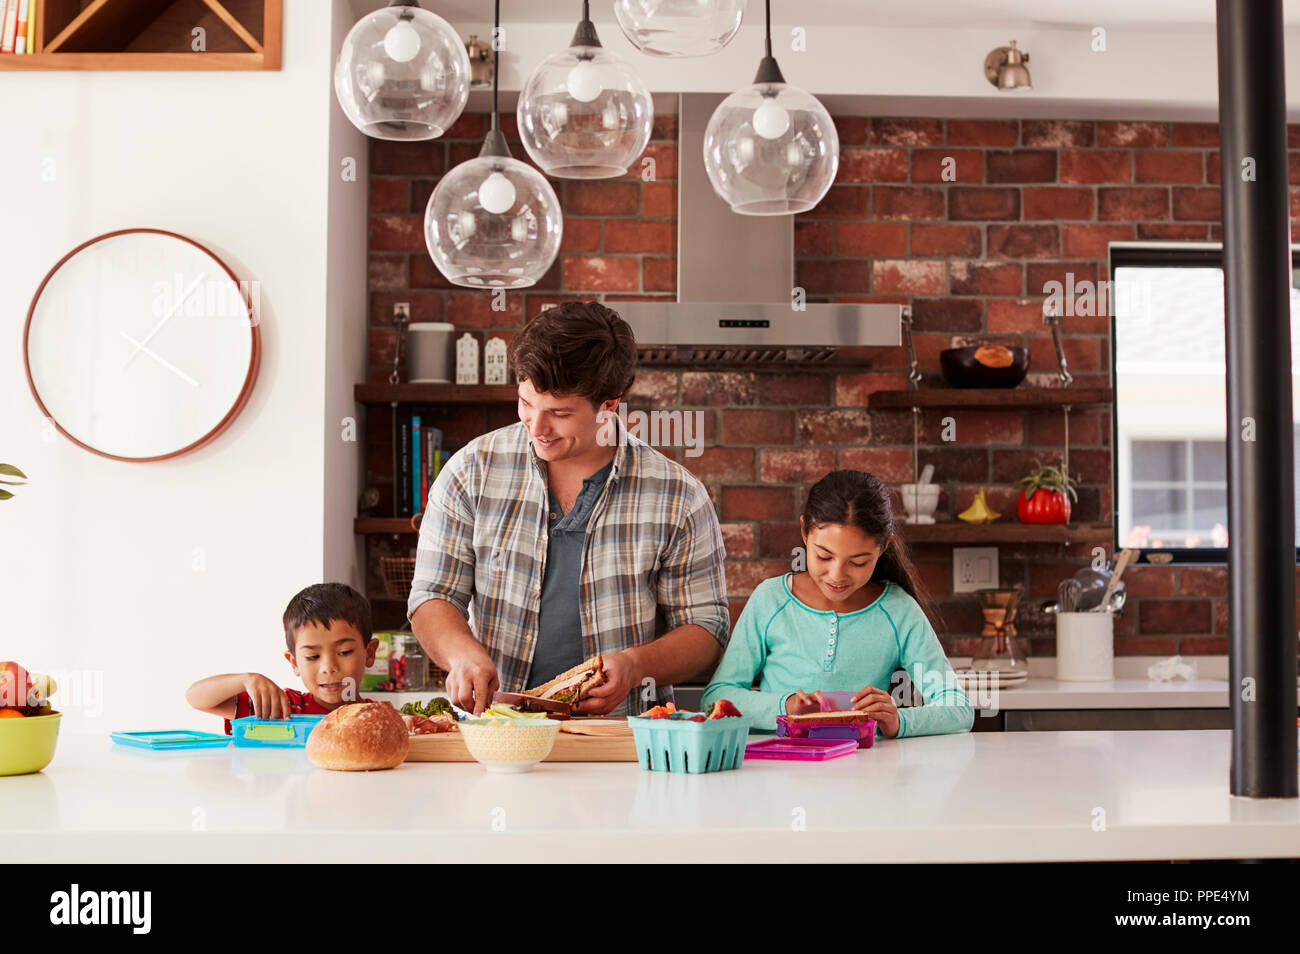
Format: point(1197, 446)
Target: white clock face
point(140, 345)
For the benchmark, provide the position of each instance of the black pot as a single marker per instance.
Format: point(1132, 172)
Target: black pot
point(962, 370)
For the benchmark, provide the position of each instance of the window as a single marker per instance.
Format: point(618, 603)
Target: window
point(1170, 412)
point(1178, 493)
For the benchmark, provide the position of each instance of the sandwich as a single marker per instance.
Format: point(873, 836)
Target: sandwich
point(572, 685)
point(531, 704)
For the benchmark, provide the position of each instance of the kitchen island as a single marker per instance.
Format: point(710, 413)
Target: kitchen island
point(1019, 796)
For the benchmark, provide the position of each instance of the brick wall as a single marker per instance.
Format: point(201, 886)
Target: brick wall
point(1031, 201)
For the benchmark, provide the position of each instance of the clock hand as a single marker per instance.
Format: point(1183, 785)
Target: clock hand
point(175, 308)
point(140, 346)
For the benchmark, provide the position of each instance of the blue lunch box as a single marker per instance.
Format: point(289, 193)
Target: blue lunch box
point(250, 731)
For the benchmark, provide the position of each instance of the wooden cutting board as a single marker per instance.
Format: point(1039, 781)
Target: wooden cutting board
point(450, 747)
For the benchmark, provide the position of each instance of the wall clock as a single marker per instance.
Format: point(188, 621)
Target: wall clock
point(141, 345)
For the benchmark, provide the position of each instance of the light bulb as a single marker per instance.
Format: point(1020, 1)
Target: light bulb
point(402, 42)
point(496, 194)
point(770, 120)
point(584, 82)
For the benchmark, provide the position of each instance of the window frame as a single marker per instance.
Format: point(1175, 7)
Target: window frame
point(1163, 255)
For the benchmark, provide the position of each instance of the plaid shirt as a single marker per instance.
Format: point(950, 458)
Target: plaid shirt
point(653, 559)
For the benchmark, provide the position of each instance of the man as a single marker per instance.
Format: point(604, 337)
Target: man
point(562, 536)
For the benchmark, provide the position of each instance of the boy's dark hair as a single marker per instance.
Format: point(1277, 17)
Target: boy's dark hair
point(577, 347)
point(323, 603)
point(858, 499)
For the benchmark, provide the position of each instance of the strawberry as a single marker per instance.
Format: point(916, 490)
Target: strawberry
point(722, 709)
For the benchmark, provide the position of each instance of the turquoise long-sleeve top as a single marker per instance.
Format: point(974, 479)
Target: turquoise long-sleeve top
point(793, 647)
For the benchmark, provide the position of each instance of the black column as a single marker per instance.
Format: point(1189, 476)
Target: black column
point(1261, 493)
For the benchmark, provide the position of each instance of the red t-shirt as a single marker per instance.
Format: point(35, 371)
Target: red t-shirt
point(300, 703)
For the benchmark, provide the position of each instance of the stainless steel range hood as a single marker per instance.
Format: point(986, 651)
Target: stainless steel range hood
point(735, 283)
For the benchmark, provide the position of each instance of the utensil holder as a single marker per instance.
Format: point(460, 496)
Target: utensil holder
point(1085, 647)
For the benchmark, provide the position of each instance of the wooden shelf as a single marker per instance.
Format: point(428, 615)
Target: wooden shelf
point(152, 35)
point(383, 525)
point(992, 398)
point(1000, 531)
point(1003, 531)
point(436, 393)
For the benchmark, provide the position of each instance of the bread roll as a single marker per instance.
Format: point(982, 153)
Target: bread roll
point(359, 737)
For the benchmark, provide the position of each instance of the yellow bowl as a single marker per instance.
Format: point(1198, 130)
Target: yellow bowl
point(509, 745)
point(27, 745)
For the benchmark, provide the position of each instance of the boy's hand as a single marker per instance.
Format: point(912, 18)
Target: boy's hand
point(472, 681)
point(880, 706)
point(269, 700)
point(802, 702)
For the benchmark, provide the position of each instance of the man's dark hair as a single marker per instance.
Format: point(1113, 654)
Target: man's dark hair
point(323, 603)
point(577, 347)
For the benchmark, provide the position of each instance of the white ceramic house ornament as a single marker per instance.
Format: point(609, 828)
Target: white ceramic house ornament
point(467, 359)
point(494, 361)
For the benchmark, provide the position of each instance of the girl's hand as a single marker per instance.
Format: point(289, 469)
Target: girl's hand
point(880, 706)
point(802, 702)
point(269, 700)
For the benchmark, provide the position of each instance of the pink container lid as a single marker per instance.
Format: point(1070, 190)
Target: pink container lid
point(800, 750)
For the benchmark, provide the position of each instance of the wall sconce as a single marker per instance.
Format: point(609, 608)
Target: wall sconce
point(480, 63)
point(1005, 69)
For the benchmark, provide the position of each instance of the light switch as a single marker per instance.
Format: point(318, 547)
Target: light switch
point(974, 568)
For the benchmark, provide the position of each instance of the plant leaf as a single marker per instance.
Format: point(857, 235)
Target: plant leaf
point(12, 471)
point(13, 483)
point(5, 495)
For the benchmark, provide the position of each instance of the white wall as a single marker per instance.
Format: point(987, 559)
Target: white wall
point(97, 556)
point(345, 321)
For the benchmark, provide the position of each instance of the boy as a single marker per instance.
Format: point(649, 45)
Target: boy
point(327, 631)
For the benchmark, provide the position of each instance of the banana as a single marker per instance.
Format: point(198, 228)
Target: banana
point(43, 686)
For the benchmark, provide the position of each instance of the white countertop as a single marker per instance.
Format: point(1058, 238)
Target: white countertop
point(1015, 796)
point(1045, 693)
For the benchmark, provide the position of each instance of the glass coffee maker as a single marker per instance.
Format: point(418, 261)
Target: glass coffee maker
point(1000, 650)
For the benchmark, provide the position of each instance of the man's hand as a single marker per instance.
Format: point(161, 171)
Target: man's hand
point(472, 680)
point(623, 673)
point(878, 705)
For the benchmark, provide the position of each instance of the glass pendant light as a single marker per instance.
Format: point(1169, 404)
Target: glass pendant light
point(493, 221)
point(771, 148)
point(679, 27)
point(583, 113)
point(402, 73)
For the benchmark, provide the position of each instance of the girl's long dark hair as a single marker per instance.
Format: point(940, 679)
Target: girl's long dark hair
point(857, 499)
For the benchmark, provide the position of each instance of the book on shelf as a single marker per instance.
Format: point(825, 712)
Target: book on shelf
point(18, 26)
point(421, 454)
point(9, 27)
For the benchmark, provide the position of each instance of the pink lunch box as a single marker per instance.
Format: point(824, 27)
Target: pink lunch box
point(864, 730)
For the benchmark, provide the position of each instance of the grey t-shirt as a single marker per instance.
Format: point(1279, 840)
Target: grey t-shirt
point(559, 625)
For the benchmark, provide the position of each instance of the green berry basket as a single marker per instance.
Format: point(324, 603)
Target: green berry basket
point(678, 744)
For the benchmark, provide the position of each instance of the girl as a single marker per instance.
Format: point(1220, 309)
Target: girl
point(843, 625)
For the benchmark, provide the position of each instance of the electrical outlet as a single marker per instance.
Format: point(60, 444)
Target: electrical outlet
point(974, 568)
point(402, 310)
